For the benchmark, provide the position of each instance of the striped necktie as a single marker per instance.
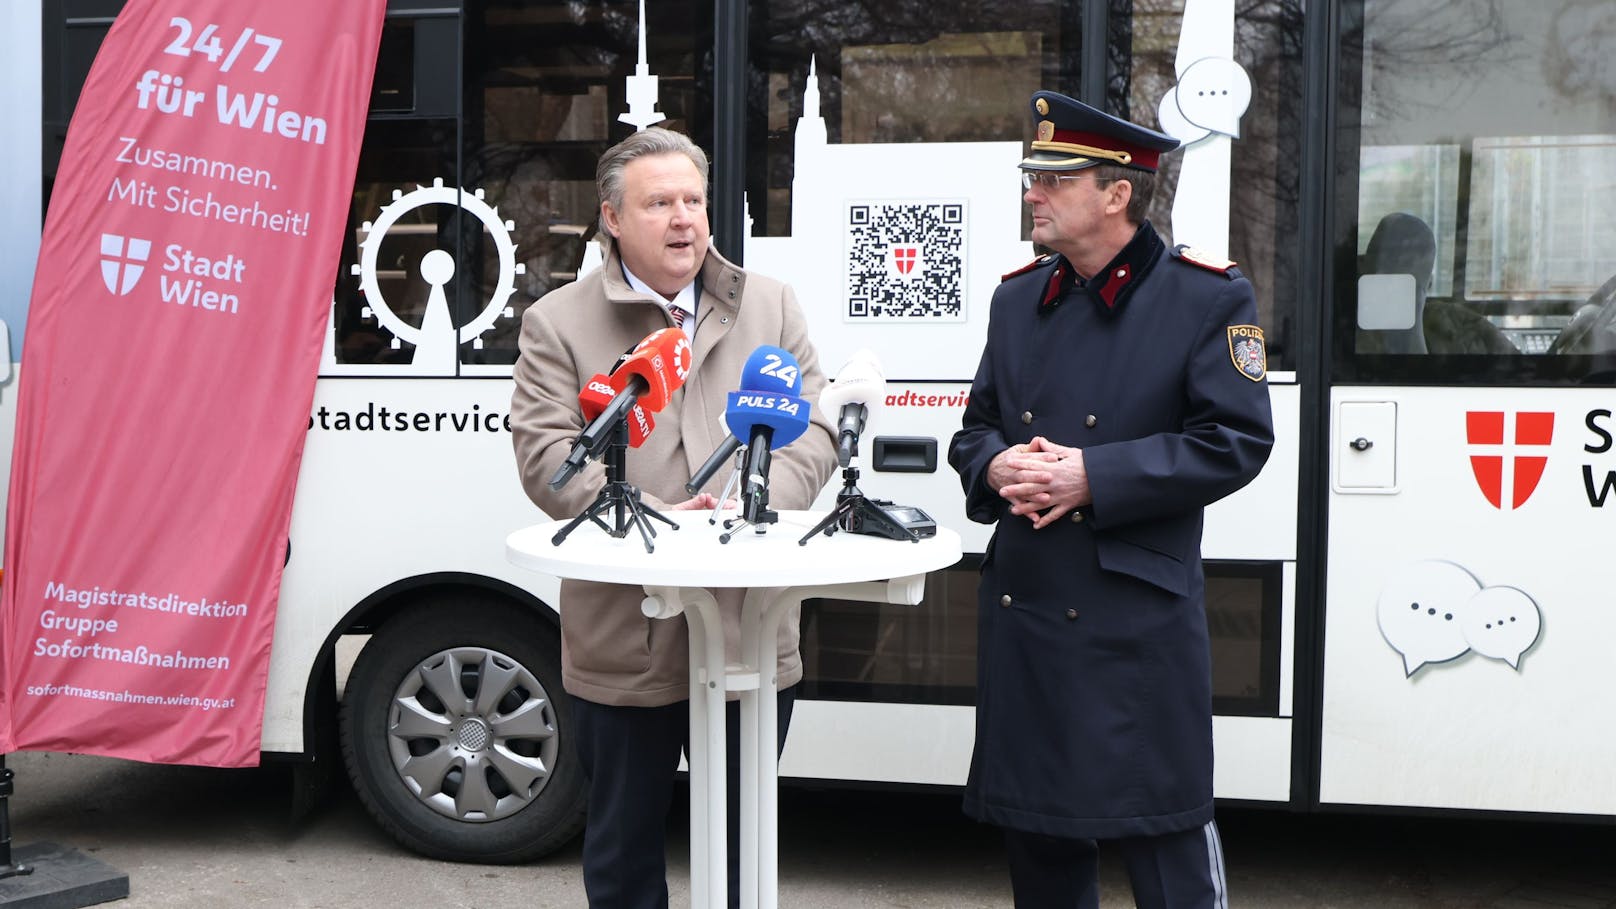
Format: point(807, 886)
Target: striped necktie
point(678, 316)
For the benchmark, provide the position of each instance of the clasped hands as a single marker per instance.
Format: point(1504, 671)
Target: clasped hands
point(1041, 480)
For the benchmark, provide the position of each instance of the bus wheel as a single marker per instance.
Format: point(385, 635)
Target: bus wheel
point(454, 730)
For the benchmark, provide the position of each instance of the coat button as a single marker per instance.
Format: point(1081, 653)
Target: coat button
point(1090, 420)
point(1026, 417)
point(1004, 600)
point(1071, 613)
point(1077, 517)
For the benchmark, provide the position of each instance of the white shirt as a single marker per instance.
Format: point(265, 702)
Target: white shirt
point(684, 300)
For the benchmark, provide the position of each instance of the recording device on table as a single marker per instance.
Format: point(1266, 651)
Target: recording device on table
point(618, 407)
point(858, 390)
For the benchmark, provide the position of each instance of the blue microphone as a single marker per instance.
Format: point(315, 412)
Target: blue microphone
point(767, 412)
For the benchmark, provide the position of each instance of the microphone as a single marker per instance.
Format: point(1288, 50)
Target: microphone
point(771, 369)
point(767, 412)
point(858, 390)
point(597, 395)
point(719, 457)
point(640, 386)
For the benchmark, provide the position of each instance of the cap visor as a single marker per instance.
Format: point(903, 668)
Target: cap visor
point(1056, 161)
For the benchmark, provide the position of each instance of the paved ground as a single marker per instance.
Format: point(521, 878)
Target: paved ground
point(211, 839)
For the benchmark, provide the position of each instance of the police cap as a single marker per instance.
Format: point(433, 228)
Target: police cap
point(1072, 135)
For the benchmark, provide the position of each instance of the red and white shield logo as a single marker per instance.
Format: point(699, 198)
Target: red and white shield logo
point(905, 260)
point(122, 262)
point(1493, 459)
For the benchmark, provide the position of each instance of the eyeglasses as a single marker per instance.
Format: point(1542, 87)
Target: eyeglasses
point(1049, 182)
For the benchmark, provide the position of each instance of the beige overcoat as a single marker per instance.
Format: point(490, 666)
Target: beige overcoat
point(611, 653)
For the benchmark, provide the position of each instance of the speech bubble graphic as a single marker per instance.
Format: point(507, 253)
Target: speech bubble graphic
point(1420, 609)
point(1213, 94)
point(1502, 623)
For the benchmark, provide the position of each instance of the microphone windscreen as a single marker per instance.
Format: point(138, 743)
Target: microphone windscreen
point(785, 415)
point(859, 382)
point(594, 396)
point(597, 394)
point(662, 361)
point(772, 369)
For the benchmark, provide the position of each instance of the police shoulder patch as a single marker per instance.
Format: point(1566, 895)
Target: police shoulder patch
point(1041, 260)
point(1206, 260)
point(1248, 352)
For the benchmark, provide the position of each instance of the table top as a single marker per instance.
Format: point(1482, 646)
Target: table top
point(692, 556)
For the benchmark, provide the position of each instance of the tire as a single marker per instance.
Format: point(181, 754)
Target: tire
point(455, 733)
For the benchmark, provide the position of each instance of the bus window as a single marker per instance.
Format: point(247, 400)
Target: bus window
point(409, 142)
point(1479, 165)
point(943, 72)
point(1265, 177)
point(545, 81)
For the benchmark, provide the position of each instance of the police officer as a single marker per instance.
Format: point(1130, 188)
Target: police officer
point(1122, 390)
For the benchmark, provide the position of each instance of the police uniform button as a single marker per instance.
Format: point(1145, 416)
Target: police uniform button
point(1004, 600)
point(1071, 613)
point(1090, 420)
point(1077, 517)
point(1026, 417)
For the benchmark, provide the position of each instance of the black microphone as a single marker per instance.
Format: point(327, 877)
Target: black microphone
point(720, 455)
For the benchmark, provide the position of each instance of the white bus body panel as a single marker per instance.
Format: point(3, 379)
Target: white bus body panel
point(1467, 729)
point(379, 506)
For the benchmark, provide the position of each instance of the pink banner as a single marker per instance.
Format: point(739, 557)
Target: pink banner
point(174, 333)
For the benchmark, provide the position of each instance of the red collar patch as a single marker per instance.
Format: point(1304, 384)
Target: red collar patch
point(1053, 292)
point(1115, 279)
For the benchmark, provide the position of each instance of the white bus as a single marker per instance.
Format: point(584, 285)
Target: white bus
point(1407, 609)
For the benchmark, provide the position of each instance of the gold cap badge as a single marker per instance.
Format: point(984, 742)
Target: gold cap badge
point(1046, 129)
point(1042, 104)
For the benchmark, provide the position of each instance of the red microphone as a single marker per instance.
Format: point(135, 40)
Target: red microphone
point(655, 369)
point(661, 362)
point(597, 395)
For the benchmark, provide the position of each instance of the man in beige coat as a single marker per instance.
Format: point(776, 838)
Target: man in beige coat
point(627, 674)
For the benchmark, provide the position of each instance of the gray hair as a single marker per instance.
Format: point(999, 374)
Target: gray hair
point(650, 141)
point(1144, 188)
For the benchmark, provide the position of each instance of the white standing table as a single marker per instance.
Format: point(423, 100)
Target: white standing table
point(778, 574)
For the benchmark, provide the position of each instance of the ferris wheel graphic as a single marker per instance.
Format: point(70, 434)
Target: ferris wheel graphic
point(436, 341)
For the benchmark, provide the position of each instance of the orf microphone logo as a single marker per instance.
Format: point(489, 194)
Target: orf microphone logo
point(120, 262)
point(1492, 459)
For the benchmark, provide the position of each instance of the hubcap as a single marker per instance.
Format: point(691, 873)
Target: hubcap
point(473, 734)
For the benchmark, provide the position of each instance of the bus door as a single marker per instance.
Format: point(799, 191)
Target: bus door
point(1468, 621)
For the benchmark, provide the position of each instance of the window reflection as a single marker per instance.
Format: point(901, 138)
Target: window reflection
point(545, 82)
point(947, 71)
point(1485, 132)
point(1265, 175)
point(926, 654)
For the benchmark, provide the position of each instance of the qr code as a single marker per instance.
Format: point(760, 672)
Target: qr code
point(906, 261)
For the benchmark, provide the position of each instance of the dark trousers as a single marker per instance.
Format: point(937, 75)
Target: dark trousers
point(1181, 870)
point(631, 755)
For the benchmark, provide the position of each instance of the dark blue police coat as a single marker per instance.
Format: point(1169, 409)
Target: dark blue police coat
point(1094, 707)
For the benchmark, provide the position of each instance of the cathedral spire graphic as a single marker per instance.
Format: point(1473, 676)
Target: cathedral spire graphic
point(641, 91)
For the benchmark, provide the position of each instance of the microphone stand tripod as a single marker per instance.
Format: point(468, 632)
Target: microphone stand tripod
point(759, 522)
point(619, 498)
point(755, 511)
point(729, 485)
point(854, 510)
